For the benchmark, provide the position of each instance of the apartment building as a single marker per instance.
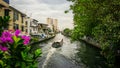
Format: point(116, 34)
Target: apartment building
point(4, 8)
point(17, 20)
point(52, 24)
point(55, 25)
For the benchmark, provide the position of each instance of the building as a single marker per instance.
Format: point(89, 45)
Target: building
point(55, 25)
point(28, 21)
point(52, 24)
point(33, 26)
point(17, 20)
point(4, 8)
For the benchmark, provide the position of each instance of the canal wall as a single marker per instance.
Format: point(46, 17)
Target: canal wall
point(92, 43)
point(42, 40)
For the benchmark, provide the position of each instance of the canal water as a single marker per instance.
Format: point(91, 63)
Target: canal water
point(58, 57)
point(70, 55)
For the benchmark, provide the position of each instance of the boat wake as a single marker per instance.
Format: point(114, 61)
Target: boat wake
point(50, 53)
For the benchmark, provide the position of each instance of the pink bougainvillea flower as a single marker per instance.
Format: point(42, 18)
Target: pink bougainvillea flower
point(3, 48)
point(26, 39)
point(6, 37)
point(17, 32)
point(25, 42)
point(10, 40)
point(3, 39)
point(6, 34)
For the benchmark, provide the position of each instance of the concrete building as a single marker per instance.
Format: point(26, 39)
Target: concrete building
point(52, 24)
point(17, 20)
point(4, 8)
point(55, 25)
point(33, 26)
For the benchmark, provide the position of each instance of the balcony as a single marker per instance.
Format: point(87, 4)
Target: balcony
point(4, 3)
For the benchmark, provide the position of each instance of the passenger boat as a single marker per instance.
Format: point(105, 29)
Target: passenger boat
point(57, 44)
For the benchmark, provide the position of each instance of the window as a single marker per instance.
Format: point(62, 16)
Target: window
point(26, 23)
point(33, 29)
point(15, 26)
point(6, 13)
point(22, 28)
point(26, 30)
point(22, 18)
point(15, 16)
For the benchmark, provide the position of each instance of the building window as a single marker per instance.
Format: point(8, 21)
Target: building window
point(33, 29)
point(26, 23)
point(6, 13)
point(26, 30)
point(15, 26)
point(22, 28)
point(15, 16)
point(22, 19)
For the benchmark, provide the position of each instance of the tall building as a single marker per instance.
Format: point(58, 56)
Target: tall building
point(52, 24)
point(55, 25)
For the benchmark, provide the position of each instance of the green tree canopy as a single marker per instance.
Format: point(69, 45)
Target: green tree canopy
point(99, 19)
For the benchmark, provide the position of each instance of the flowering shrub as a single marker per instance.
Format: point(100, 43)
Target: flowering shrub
point(15, 51)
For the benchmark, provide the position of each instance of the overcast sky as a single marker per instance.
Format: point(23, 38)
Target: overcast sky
point(42, 9)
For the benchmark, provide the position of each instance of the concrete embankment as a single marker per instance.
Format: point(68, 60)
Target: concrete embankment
point(42, 40)
point(91, 43)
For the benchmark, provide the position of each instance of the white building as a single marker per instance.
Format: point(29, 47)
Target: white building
point(33, 26)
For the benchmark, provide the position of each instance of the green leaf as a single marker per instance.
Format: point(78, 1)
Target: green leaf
point(1, 63)
point(37, 52)
point(24, 55)
point(16, 39)
point(23, 65)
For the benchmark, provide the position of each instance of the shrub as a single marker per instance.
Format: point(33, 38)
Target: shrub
point(15, 51)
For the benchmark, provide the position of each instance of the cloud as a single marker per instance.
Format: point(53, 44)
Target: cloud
point(42, 9)
point(52, 2)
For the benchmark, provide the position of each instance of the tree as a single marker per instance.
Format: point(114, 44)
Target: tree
point(99, 19)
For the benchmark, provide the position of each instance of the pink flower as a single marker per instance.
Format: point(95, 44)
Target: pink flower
point(3, 48)
point(26, 39)
point(6, 34)
point(6, 37)
point(17, 32)
point(10, 40)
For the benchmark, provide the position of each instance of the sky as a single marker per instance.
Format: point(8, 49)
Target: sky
point(42, 9)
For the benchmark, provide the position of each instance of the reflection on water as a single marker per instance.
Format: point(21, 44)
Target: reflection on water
point(90, 56)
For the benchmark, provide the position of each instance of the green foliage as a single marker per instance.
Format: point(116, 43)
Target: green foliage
point(19, 55)
point(99, 19)
point(4, 22)
point(67, 32)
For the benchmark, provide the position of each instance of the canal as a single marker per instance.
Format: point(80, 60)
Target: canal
point(70, 55)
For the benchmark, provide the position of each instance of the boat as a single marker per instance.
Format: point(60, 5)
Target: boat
point(57, 44)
